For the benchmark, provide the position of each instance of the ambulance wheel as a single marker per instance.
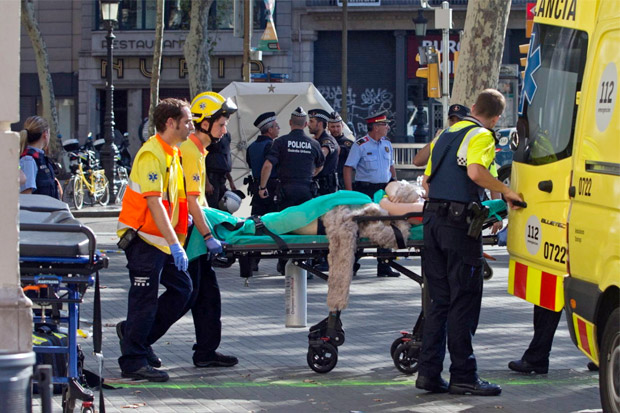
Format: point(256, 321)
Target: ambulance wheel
point(322, 358)
point(406, 357)
point(487, 271)
point(609, 364)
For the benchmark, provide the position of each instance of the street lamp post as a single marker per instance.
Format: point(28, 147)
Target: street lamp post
point(419, 135)
point(109, 13)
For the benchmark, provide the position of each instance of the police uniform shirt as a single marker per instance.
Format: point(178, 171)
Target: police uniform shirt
point(256, 153)
point(30, 169)
point(218, 160)
point(371, 160)
point(478, 146)
point(331, 160)
point(296, 156)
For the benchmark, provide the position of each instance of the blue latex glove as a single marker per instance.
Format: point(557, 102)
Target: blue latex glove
point(214, 246)
point(180, 258)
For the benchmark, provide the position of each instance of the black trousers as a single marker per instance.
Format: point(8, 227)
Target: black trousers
point(545, 324)
point(150, 316)
point(453, 268)
point(262, 206)
point(206, 306)
point(294, 194)
point(218, 181)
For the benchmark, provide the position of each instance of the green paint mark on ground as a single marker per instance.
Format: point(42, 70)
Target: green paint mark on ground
point(583, 380)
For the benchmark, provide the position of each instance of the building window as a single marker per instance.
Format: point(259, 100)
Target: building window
point(141, 15)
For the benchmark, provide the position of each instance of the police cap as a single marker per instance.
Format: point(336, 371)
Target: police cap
point(319, 114)
point(335, 117)
point(299, 112)
point(459, 111)
point(380, 117)
point(264, 119)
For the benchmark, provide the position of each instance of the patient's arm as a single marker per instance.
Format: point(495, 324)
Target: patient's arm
point(400, 208)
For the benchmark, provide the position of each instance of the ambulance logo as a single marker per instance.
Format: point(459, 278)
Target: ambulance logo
point(196, 177)
point(152, 176)
point(529, 84)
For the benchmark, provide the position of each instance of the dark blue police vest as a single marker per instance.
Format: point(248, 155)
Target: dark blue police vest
point(45, 179)
point(256, 155)
point(448, 180)
point(331, 160)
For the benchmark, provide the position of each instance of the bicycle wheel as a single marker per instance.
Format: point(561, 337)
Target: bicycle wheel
point(102, 190)
point(78, 192)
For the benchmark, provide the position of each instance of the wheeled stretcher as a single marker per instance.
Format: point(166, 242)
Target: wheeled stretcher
point(270, 238)
point(58, 263)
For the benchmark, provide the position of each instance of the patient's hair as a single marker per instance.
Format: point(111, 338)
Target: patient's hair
point(402, 191)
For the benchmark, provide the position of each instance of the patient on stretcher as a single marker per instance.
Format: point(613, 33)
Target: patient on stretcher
point(399, 198)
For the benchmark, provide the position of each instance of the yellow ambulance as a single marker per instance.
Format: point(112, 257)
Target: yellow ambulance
point(565, 245)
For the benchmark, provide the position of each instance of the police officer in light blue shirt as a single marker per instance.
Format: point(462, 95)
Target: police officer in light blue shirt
point(372, 158)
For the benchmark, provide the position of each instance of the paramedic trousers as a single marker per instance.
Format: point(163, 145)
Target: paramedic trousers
point(453, 269)
point(148, 315)
point(206, 306)
point(545, 324)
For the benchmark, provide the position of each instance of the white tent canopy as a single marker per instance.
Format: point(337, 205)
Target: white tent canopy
point(253, 99)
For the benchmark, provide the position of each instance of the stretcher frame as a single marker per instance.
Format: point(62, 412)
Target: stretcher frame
point(326, 336)
point(66, 279)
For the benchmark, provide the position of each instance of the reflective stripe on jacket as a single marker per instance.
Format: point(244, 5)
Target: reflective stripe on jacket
point(135, 212)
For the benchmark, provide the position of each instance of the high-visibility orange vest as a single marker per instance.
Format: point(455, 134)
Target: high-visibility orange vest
point(135, 212)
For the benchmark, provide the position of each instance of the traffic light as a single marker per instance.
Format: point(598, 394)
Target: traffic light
point(429, 57)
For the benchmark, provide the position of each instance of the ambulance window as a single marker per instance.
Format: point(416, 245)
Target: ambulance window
point(555, 70)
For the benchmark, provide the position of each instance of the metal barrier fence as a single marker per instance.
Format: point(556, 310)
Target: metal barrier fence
point(404, 154)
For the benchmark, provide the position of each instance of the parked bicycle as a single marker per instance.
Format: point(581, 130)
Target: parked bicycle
point(87, 178)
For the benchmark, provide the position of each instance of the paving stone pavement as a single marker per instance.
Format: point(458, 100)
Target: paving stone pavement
point(273, 376)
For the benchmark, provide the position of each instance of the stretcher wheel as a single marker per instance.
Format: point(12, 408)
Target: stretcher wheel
point(322, 358)
point(68, 404)
point(87, 410)
point(406, 357)
point(487, 271)
point(400, 340)
point(338, 339)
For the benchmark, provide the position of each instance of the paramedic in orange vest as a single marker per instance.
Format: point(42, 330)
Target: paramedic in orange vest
point(210, 112)
point(152, 228)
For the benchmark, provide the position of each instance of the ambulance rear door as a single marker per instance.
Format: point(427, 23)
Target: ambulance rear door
point(543, 160)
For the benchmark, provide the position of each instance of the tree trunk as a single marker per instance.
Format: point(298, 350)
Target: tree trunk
point(197, 48)
point(45, 78)
point(156, 69)
point(482, 47)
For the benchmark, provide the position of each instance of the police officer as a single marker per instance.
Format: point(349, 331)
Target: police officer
point(372, 158)
point(334, 125)
point(455, 178)
point(255, 157)
point(327, 179)
point(38, 169)
point(219, 165)
point(298, 158)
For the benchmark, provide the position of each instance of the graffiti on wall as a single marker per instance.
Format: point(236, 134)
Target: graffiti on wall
point(359, 105)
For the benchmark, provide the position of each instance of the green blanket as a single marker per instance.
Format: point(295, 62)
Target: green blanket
point(290, 219)
point(282, 222)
